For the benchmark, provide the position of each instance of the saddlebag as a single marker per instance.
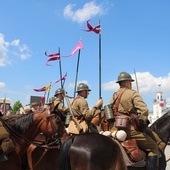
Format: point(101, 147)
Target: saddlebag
point(122, 121)
point(133, 150)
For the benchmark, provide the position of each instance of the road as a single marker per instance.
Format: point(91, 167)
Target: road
point(167, 153)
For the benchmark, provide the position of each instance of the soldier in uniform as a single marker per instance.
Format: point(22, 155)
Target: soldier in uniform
point(34, 106)
point(58, 106)
point(127, 102)
point(6, 144)
point(82, 112)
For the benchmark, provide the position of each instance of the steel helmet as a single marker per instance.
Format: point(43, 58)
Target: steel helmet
point(51, 100)
point(82, 86)
point(59, 91)
point(124, 76)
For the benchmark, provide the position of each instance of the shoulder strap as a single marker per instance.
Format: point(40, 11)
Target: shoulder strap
point(75, 99)
point(118, 100)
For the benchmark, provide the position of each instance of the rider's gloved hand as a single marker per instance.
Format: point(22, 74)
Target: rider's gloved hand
point(99, 103)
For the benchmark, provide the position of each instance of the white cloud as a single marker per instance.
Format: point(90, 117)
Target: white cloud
point(89, 10)
point(15, 43)
point(3, 51)
point(147, 84)
point(145, 81)
point(2, 85)
point(72, 85)
point(22, 51)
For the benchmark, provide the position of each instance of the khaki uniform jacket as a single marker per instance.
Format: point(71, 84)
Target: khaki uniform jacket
point(60, 108)
point(130, 102)
point(80, 109)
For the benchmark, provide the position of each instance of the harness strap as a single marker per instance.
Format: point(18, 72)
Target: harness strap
point(118, 101)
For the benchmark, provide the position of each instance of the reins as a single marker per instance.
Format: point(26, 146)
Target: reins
point(20, 138)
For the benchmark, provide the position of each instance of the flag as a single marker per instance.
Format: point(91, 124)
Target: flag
point(42, 99)
point(52, 57)
point(45, 88)
point(95, 29)
point(79, 46)
point(62, 78)
point(161, 104)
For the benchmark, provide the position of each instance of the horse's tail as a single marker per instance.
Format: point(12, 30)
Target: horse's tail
point(64, 157)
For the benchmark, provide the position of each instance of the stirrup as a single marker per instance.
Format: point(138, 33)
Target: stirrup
point(3, 157)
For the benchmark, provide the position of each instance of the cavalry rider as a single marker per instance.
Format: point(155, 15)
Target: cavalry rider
point(6, 144)
point(82, 112)
point(128, 102)
point(34, 106)
point(57, 106)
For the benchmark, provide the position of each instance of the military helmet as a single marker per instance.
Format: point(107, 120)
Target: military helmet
point(51, 100)
point(124, 76)
point(82, 86)
point(58, 91)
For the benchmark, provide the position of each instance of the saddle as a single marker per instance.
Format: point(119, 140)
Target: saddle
point(131, 159)
point(133, 156)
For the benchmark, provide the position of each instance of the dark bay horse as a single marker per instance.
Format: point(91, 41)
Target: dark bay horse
point(23, 129)
point(94, 151)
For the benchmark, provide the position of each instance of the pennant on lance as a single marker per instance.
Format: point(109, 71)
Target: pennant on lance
point(52, 57)
point(79, 46)
point(62, 78)
point(45, 88)
point(95, 29)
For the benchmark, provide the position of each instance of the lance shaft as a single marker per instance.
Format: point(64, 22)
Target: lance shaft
point(79, 127)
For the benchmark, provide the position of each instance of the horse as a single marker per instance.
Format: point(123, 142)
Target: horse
point(42, 155)
point(95, 151)
point(49, 160)
point(23, 129)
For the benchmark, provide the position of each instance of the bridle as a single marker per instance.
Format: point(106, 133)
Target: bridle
point(55, 144)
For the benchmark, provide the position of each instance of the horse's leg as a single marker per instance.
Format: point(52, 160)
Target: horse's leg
point(29, 156)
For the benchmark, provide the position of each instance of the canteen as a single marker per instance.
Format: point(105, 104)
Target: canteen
point(108, 112)
point(68, 118)
point(120, 135)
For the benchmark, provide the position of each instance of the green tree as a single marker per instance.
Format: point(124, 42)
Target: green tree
point(16, 106)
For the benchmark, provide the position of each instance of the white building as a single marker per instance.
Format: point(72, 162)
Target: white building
point(160, 107)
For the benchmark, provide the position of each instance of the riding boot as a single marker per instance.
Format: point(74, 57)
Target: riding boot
point(152, 163)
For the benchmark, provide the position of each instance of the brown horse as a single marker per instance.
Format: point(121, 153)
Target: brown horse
point(42, 155)
point(46, 157)
point(23, 130)
point(94, 151)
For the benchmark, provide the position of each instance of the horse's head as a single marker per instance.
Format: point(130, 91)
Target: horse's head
point(162, 126)
point(49, 124)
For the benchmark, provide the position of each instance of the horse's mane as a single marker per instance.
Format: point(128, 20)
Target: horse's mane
point(21, 124)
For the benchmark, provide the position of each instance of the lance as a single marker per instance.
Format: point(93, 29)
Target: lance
point(100, 62)
point(60, 69)
point(48, 94)
point(136, 81)
point(78, 60)
point(79, 127)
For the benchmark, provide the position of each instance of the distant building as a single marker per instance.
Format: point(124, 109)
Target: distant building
point(160, 107)
point(5, 106)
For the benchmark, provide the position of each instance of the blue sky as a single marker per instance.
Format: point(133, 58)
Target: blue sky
point(135, 34)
